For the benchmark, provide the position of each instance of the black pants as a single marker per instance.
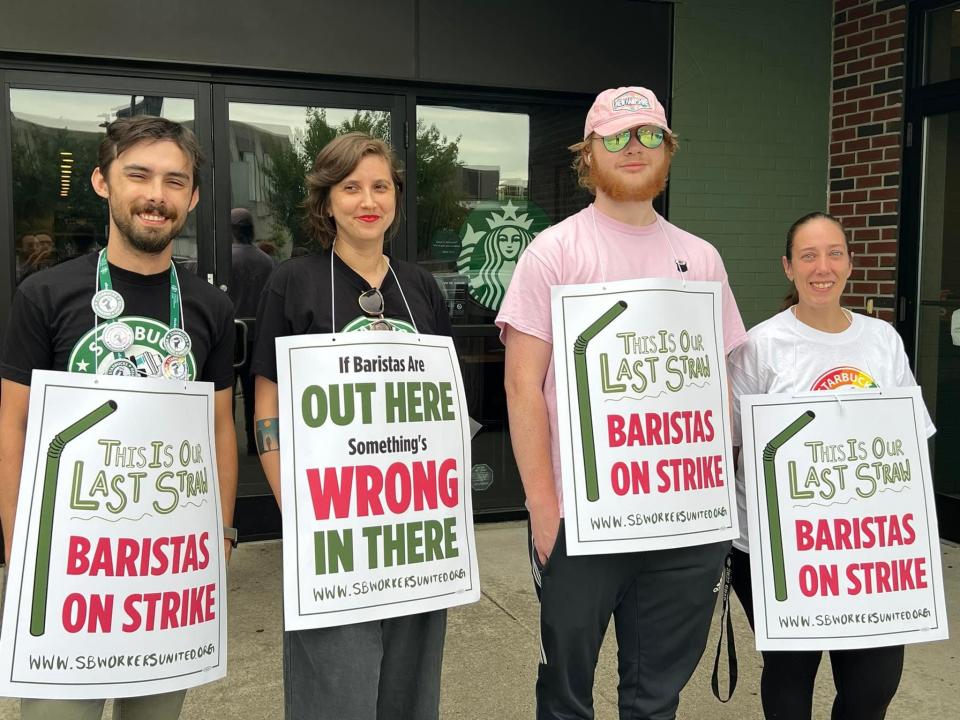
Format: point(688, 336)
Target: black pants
point(866, 680)
point(662, 603)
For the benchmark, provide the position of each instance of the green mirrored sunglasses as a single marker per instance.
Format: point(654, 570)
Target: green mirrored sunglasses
point(650, 136)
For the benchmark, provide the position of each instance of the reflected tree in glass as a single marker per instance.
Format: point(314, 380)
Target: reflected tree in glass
point(441, 198)
point(287, 166)
point(72, 217)
point(439, 195)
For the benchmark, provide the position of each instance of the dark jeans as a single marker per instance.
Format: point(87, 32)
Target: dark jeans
point(866, 680)
point(662, 603)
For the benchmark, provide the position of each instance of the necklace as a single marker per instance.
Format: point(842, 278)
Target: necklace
point(680, 265)
point(333, 299)
point(118, 336)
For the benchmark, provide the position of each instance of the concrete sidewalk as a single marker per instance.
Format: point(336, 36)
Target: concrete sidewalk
point(492, 650)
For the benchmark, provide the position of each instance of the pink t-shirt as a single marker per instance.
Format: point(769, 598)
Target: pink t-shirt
point(577, 251)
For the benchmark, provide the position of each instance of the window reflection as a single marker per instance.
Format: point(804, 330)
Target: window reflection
point(943, 44)
point(272, 148)
point(488, 182)
point(938, 323)
point(54, 140)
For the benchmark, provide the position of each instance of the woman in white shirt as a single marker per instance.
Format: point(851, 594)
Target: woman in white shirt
point(816, 344)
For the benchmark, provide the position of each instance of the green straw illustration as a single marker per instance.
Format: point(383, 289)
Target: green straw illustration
point(773, 503)
point(41, 577)
point(583, 396)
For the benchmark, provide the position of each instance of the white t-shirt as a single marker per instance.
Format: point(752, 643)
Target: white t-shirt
point(783, 355)
point(591, 247)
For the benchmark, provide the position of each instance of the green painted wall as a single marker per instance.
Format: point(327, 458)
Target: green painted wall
point(751, 105)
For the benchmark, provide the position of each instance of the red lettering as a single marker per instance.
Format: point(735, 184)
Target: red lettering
point(369, 488)
point(909, 535)
point(654, 426)
point(882, 576)
point(74, 613)
point(804, 530)
point(209, 601)
point(204, 552)
point(332, 491)
point(707, 430)
point(95, 613)
point(102, 562)
point(127, 551)
point(425, 486)
point(151, 599)
point(77, 549)
point(632, 479)
point(160, 556)
point(449, 483)
point(189, 555)
point(133, 614)
point(615, 425)
point(397, 487)
point(170, 607)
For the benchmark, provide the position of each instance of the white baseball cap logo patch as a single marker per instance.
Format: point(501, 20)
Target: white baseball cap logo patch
point(631, 102)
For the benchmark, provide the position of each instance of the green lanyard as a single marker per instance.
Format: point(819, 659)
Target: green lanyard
point(105, 283)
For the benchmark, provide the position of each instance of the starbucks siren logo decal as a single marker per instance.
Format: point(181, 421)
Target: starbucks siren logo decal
point(491, 243)
point(843, 377)
point(91, 355)
point(360, 324)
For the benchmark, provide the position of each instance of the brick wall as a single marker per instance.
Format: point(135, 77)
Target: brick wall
point(865, 141)
point(751, 104)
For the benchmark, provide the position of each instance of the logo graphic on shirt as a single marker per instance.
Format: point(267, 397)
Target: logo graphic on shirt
point(490, 245)
point(631, 101)
point(846, 376)
point(361, 324)
point(90, 355)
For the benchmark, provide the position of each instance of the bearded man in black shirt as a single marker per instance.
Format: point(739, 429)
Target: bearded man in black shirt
point(148, 174)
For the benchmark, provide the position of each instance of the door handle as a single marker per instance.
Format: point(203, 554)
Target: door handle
point(244, 332)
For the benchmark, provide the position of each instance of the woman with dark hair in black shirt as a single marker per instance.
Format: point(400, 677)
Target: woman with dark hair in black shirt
point(385, 668)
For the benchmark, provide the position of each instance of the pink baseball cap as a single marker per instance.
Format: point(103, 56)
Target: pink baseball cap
point(621, 108)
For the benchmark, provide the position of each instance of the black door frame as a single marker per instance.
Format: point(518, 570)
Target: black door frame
point(211, 88)
point(920, 102)
point(110, 84)
point(258, 516)
point(224, 94)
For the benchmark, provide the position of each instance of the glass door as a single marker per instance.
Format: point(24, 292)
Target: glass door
point(55, 126)
point(928, 278)
point(490, 177)
point(265, 141)
point(49, 212)
point(938, 319)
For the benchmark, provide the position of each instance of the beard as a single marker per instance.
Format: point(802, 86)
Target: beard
point(152, 241)
point(632, 189)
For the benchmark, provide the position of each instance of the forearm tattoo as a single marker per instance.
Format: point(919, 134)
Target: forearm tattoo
point(268, 435)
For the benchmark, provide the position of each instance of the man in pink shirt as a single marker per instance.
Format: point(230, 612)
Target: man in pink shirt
point(662, 601)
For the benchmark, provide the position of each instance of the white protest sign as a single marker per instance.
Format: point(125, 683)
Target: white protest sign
point(375, 478)
point(844, 547)
point(115, 585)
point(643, 416)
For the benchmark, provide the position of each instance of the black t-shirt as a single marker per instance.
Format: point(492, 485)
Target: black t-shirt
point(297, 299)
point(52, 323)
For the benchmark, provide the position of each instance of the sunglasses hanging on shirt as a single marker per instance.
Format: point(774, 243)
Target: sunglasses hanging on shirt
point(371, 301)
